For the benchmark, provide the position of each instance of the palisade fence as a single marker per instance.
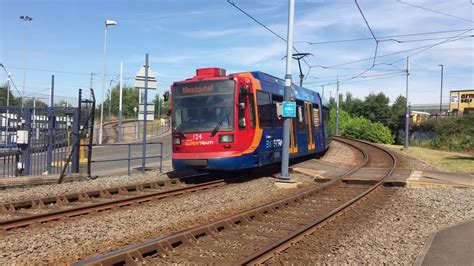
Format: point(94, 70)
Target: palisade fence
point(35, 141)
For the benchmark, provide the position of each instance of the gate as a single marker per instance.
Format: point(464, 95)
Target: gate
point(36, 141)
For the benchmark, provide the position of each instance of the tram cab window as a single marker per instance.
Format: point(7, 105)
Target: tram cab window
point(277, 99)
point(252, 111)
point(241, 110)
point(264, 109)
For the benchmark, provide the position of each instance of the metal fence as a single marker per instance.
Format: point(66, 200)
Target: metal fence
point(132, 155)
point(41, 136)
point(8, 162)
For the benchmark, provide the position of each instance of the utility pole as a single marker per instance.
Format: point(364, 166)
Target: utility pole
point(322, 91)
point(407, 111)
point(120, 104)
point(285, 157)
point(441, 94)
point(337, 107)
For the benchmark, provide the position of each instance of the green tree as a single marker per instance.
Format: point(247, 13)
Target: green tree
point(3, 97)
point(396, 118)
point(375, 107)
point(129, 102)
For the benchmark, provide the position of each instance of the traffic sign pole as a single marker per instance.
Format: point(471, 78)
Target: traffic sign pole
point(285, 157)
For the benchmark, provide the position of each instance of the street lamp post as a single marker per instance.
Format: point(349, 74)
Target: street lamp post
point(441, 93)
point(26, 19)
point(107, 24)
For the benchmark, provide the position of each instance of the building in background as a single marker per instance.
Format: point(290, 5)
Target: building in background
point(461, 101)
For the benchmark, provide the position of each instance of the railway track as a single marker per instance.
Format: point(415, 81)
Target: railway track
point(255, 235)
point(38, 211)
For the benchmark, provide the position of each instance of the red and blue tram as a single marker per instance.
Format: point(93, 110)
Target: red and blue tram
point(233, 122)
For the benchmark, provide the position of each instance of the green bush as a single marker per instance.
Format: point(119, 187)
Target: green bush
point(453, 133)
point(361, 128)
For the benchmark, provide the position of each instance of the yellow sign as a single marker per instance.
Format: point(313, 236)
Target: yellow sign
point(461, 101)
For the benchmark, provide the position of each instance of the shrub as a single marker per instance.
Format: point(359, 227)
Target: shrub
point(453, 133)
point(361, 128)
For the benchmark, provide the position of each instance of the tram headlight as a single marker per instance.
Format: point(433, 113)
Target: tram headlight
point(177, 141)
point(226, 138)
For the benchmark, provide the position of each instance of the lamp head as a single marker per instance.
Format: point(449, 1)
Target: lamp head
point(110, 22)
point(26, 18)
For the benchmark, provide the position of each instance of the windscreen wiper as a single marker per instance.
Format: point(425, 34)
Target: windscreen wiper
point(214, 132)
point(178, 131)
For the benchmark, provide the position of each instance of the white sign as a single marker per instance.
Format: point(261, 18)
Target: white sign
point(150, 108)
point(454, 98)
point(149, 117)
point(140, 79)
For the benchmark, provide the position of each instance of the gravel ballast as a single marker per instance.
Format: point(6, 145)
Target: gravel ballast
point(35, 192)
point(393, 232)
point(85, 236)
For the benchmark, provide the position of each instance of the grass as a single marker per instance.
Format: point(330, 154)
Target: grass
point(448, 161)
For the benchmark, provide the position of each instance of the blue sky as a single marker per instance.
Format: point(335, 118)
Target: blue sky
point(180, 36)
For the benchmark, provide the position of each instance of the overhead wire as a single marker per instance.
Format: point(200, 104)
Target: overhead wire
point(435, 11)
point(371, 32)
point(381, 38)
point(231, 2)
point(11, 79)
point(434, 45)
point(386, 55)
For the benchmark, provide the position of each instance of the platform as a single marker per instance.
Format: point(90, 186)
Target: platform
point(322, 171)
point(449, 246)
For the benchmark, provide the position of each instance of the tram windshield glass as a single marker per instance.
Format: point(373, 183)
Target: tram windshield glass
point(204, 106)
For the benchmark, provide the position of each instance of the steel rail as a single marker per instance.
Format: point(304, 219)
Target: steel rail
point(164, 244)
point(266, 253)
point(9, 207)
point(102, 206)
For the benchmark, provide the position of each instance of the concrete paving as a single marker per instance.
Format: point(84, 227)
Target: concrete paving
point(449, 246)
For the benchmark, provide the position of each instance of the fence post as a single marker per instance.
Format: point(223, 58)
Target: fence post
point(75, 140)
point(27, 152)
point(129, 155)
point(49, 153)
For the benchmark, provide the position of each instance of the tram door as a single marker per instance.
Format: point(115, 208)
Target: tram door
point(309, 123)
point(293, 146)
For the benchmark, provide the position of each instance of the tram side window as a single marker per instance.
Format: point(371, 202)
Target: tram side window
point(277, 99)
point(316, 117)
point(252, 110)
point(301, 116)
point(264, 109)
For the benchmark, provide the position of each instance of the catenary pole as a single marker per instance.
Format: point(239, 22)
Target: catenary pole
point(287, 94)
point(441, 93)
point(407, 111)
point(120, 104)
point(337, 107)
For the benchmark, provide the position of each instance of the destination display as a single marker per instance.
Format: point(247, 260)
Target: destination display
point(203, 87)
